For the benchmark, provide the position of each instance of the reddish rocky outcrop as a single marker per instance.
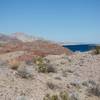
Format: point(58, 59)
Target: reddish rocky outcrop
point(36, 48)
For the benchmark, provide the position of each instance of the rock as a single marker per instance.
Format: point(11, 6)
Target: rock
point(25, 71)
point(23, 98)
point(2, 63)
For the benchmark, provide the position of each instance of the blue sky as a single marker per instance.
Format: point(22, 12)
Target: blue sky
point(58, 20)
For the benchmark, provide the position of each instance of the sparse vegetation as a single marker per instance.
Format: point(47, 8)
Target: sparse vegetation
point(43, 65)
point(96, 50)
point(42, 68)
point(50, 68)
point(92, 82)
point(62, 96)
point(24, 73)
point(94, 90)
point(51, 85)
point(58, 78)
point(64, 73)
point(76, 85)
point(69, 71)
point(74, 96)
point(64, 77)
point(47, 97)
point(53, 97)
point(39, 60)
point(1, 44)
point(85, 83)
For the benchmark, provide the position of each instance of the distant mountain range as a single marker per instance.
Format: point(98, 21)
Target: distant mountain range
point(23, 37)
point(6, 38)
point(36, 46)
point(17, 37)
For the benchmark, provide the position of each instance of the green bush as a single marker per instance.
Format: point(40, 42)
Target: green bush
point(61, 96)
point(47, 97)
point(41, 65)
point(44, 65)
point(42, 68)
point(53, 97)
point(39, 60)
point(97, 50)
point(64, 95)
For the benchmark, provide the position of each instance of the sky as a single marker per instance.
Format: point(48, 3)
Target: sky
point(57, 20)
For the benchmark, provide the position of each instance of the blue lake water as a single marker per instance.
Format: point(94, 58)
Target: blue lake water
point(81, 47)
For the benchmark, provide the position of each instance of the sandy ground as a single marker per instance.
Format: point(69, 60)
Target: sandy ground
point(71, 72)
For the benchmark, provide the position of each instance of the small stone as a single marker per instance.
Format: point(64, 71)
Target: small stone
point(23, 97)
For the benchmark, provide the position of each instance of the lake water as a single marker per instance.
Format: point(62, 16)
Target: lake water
point(81, 48)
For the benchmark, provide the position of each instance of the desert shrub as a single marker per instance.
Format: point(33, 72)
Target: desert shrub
point(1, 44)
point(51, 85)
point(69, 71)
point(92, 87)
point(43, 65)
point(53, 97)
point(46, 68)
point(64, 95)
point(94, 90)
point(57, 78)
point(85, 83)
point(38, 60)
point(42, 68)
point(47, 97)
point(50, 68)
point(64, 73)
point(61, 96)
point(88, 83)
point(74, 96)
point(28, 62)
point(24, 72)
point(76, 85)
point(96, 50)
point(14, 64)
point(92, 82)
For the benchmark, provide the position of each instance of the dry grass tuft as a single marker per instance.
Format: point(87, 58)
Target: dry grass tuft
point(96, 50)
point(53, 97)
point(51, 85)
point(14, 64)
point(61, 96)
point(94, 90)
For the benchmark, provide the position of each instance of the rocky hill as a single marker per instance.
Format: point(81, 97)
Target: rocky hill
point(23, 37)
point(33, 47)
point(7, 39)
point(43, 70)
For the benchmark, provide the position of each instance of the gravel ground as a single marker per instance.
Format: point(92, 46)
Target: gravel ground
point(72, 71)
